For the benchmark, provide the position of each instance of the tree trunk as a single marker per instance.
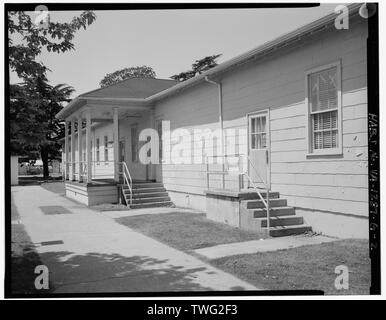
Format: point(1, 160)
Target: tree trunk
point(44, 156)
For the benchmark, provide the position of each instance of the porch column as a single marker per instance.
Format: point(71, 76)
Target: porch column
point(88, 147)
point(154, 151)
point(116, 144)
point(80, 166)
point(73, 165)
point(66, 144)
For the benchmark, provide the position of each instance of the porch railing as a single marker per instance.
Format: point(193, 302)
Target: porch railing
point(83, 174)
point(127, 180)
point(241, 173)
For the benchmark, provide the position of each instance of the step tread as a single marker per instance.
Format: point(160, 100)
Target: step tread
point(273, 208)
point(258, 204)
point(298, 226)
point(146, 185)
point(150, 204)
point(138, 195)
point(282, 221)
point(150, 198)
point(281, 217)
point(146, 190)
point(280, 231)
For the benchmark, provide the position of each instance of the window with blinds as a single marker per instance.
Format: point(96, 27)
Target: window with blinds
point(323, 102)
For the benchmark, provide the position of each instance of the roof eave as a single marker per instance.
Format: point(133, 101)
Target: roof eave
point(80, 101)
point(270, 47)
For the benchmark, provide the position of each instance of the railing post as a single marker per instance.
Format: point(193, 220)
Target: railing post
point(88, 147)
point(80, 142)
point(116, 143)
point(73, 161)
point(267, 195)
point(207, 173)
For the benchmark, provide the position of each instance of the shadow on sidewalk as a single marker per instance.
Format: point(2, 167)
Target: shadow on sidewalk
point(98, 273)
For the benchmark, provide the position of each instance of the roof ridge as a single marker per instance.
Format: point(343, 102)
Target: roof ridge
point(121, 81)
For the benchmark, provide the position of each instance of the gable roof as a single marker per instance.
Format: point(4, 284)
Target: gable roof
point(131, 88)
point(149, 90)
point(265, 49)
point(135, 89)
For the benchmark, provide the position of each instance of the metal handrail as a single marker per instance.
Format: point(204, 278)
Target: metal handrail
point(127, 178)
point(265, 183)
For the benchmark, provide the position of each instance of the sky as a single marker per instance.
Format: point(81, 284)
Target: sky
point(169, 41)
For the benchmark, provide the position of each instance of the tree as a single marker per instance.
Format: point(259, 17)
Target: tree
point(198, 67)
point(34, 129)
point(34, 103)
point(30, 40)
point(132, 72)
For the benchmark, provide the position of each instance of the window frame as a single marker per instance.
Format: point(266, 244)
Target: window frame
point(106, 149)
point(97, 150)
point(309, 132)
point(254, 117)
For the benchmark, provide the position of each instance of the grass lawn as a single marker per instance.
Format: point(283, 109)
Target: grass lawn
point(186, 231)
point(307, 267)
point(24, 259)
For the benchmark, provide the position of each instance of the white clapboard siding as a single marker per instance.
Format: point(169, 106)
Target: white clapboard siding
point(277, 83)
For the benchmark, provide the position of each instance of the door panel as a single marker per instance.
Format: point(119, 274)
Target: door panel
point(258, 137)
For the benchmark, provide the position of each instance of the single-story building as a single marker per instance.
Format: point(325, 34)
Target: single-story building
point(289, 115)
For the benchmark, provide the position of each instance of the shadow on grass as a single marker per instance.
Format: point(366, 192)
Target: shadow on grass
point(187, 231)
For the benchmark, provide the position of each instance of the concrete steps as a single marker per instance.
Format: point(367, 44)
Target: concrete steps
point(147, 194)
point(254, 204)
point(274, 212)
point(289, 230)
point(283, 218)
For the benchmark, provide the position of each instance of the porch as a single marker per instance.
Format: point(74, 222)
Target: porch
point(95, 152)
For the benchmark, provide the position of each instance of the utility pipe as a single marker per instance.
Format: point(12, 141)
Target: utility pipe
point(220, 116)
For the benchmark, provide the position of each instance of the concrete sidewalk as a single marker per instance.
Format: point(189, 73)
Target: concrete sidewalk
point(263, 245)
point(96, 254)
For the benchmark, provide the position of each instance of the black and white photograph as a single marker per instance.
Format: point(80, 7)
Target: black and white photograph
point(191, 149)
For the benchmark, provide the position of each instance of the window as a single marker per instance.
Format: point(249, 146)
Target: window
point(106, 148)
point(134, 144)
point(258, 131)
point(97, 150)
point(324, 110)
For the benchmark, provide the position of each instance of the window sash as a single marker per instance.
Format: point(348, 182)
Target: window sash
point(97, 150)
point(106, 148)
point(324, 127)
point(258, 140)
point(323, 88)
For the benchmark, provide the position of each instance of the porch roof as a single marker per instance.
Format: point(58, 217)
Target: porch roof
point(134, 90)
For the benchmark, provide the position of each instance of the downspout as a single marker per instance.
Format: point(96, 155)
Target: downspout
point(221, 124)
